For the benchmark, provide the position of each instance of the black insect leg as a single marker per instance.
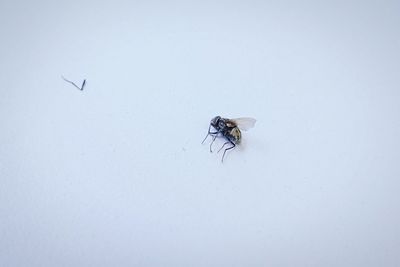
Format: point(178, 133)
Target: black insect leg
point(214, 137)
point(208, 133)
point(233, 146)
point(213, 134)
point(223, 146)
point(80, 88)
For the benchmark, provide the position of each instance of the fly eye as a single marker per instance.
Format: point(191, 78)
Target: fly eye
point(221, 124)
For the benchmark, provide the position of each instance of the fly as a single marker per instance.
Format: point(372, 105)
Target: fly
point(229, 129)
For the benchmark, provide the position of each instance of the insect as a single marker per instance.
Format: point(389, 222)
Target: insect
point(230, 130)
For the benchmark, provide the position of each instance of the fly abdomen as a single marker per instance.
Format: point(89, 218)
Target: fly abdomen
point(234, 135)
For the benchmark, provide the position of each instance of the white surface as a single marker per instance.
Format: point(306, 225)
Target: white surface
point(116, 175)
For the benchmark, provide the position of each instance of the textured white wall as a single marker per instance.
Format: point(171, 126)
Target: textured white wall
point(116, 175)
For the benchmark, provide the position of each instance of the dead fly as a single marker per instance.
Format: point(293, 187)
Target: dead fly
point(230, 130)
point(80, 88)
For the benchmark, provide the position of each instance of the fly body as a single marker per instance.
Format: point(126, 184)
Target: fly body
point(229, 129)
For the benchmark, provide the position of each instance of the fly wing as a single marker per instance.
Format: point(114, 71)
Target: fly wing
point(245, 123)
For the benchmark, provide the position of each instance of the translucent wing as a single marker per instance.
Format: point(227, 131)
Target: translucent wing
point(244, 123)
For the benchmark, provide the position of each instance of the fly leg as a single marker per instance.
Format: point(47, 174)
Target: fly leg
point(212, 142)
point(223, 146)
point(209, 133)
point(233, 146)
point(213, 134)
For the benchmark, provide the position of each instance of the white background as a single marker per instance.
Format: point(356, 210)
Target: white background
point(115, 175)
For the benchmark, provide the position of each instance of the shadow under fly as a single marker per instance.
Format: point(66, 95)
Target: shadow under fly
point(229, 129)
